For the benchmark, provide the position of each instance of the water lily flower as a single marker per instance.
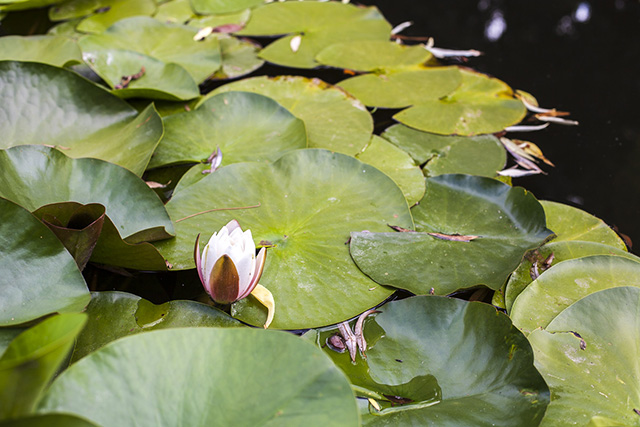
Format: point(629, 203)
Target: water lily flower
point(228, 267)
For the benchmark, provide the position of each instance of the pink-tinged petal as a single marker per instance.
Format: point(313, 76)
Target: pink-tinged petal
point(260, 260)
point(232, 225)
point(198, 260)
point(224, 281)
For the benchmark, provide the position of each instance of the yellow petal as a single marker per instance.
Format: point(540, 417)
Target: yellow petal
point(263, 295)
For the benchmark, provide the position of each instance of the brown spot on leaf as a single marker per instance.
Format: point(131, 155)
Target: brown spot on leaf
point(453, 237)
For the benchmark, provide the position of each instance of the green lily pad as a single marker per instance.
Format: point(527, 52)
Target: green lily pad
point(245, 126)
point(481, 155)
point(309, 202)
point(334, 120)
point(53, 106)
point(562, 251)
point(38, 275)
point(72, 9)
point(31, 361)
point(398, 165)
point(485, 228)
point(569, 223)
point(569, 281)
point(34, 176)
point(239, 18)
point(48, 420)
point(317, 24)
point(10, 6)
point(218, 7)
point(170, 61)
point(293, 382)
point(239, 57)
point(175, 11)
point(401, 89)
point(481, 104)
point(52, 50)
point(114, 315)
point(589, 357)
point(372, 55)
point(117, 10)
point(444, 354)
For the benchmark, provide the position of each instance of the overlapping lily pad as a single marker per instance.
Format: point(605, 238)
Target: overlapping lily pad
point(13, 5)
point(245, 126)
point(95, 16)
point(53, 50)
point(569, 281)
point(373, 55)
point(34, 176)
point(238, 365)
point(398, 165)
point(239, 57)
point(54, 106)
point(589, 357)
point(165, 59)
point(430, 356)
point(113, 315)
point(31, 361)
point(578, 234)
point(175, 11)
point(48, 420)
point(403, 88)
point(38, 276)
point(219, 7)
point(334, 120)
point(481, 104)
point(309, 201)
point(481, 155)
point(316, 25)
point(480, 229)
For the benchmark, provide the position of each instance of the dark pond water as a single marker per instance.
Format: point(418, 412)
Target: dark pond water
point(577, 56)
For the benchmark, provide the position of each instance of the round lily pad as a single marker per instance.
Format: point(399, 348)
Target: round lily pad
point(102, 18)
point(113, 315)
point(72, 9)
point(429, 356)
point(569, 281)
point(161, 51)
point(372, 55)
point(219, 7)
point(470, 231)
point(481, 104)
point(305, 204)
point(38, 276)
point(32, 359)
point(317, 25)
point(398, 165)
point(403, 88)
point(53, 106)
point(210, 374)
point(239, 57)
point(334, 120)
point(244, 126)
point(53, 50)
point(34, 176)
point(481, 155)
point(589, 356)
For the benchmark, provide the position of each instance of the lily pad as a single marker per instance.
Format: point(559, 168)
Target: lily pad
point(34, 176)
point(569, 224)
point(48, 420)
point(562, 251)
point(53, 106)
point(245, 126)
point(239, 57)
point(218, 7)
point(589, 357)
point(161, 51)
point(10, 6)
point(72, 9)
point(97, 22)
point(403, 88)
point(34, 265)
point(31, 361)
point(309, 201)
point(334, 120)
point(398, 165)
point(481, 155)
point(372, 55)
point(293, 381)
point(569, 281)
point(429, 356)
point(317, 24)
point(480, 229)
point(52, 50)
point(238, 18)
point(175, 11)
point(114, 315)
point(481, 104)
